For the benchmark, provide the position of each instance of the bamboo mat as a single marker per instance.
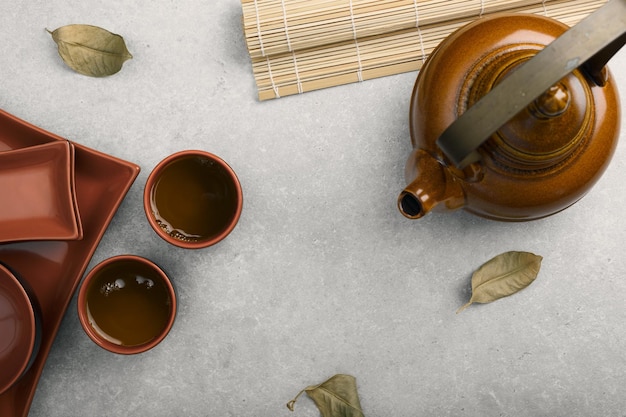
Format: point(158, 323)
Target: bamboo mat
point(304, 45)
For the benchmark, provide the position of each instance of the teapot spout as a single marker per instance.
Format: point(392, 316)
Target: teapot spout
point(432, 187)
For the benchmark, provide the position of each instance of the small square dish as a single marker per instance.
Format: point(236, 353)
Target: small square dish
point(39, 200)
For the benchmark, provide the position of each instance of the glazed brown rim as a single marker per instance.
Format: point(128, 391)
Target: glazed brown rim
point(148, 206)
point(82, 306)
point(27, 311)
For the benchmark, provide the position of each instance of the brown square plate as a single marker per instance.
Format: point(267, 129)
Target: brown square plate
point(54, 268)
point(39, 200)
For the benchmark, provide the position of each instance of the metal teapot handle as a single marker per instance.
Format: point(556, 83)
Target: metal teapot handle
point(589, 45)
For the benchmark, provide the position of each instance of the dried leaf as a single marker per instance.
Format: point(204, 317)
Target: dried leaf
point(502, 276)
point(90, 50)
point(336, 397)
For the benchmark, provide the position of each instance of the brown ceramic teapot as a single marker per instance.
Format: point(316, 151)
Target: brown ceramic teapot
point(514, 117)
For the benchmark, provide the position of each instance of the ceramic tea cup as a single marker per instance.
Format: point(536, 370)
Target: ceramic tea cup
point(127, 304)
point(193, 199)
point(20, 328)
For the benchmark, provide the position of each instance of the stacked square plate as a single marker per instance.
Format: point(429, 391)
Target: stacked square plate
point(58, 198)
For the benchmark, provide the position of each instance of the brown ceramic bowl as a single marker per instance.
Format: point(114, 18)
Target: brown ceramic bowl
point(40, 202)
point(20, 329)
point(193, 199)
point(127, 304)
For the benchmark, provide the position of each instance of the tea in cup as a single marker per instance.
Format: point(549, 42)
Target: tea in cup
point(193, 199)
point(127, 304)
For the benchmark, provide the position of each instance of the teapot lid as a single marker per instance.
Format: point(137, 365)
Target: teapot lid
point(545, 133)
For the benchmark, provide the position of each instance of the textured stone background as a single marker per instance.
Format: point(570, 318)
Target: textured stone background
point(322, 275)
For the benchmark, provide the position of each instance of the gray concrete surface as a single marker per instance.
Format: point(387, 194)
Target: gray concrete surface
point(322, 275)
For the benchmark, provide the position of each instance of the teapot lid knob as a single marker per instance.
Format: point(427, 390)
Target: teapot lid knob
point(554, 102)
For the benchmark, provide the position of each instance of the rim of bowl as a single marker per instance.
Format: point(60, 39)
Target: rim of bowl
point(26, 304)
point(82, 306)
point(147, 205)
